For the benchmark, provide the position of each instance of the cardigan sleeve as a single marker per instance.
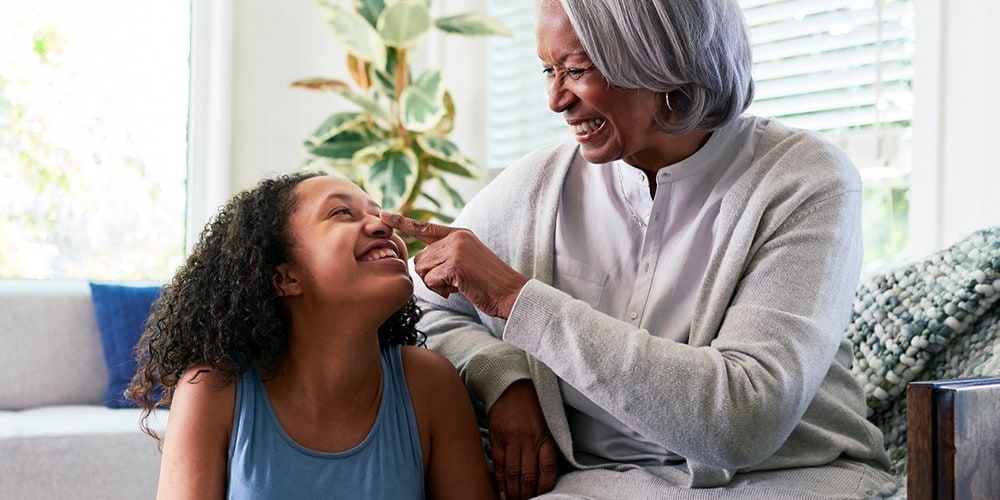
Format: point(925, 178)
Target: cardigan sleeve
point(505, 215)
point(733, 401)
point(487, 364)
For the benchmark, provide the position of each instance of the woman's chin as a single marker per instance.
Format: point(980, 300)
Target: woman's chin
point(597, 155)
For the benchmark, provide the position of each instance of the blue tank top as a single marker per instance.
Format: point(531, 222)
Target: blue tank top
point(264, 462)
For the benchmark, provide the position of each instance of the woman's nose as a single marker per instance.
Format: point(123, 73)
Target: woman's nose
point(560, 98)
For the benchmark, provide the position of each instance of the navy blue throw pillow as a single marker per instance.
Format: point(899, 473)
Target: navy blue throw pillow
point(121, 312)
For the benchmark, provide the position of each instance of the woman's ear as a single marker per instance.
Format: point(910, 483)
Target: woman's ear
point(285, 282)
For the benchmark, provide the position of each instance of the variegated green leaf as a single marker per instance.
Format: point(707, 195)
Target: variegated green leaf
point(438, 146)
point(472, 24)
point(335, 124)
point(430, 198)
point(447, 123)
point(444, 155)
point(369, 9)
point(343, 146)
point(348, 92)
point(384, 82)
point(374, 150)
point(404, 24)
point(452, 167)
point(344, 168)
point(456, 197)
point(426, 215)
point(422, 103)
point(391, 178)
point(354, 32)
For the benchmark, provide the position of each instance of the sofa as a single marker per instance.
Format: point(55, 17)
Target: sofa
point(930, 320)
point(58, 438)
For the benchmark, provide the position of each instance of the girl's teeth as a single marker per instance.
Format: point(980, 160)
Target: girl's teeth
point(379, 254)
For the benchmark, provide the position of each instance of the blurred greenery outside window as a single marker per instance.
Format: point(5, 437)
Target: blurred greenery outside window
point(93, 139)
point(843, 68)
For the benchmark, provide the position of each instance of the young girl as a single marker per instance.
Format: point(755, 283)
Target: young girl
point(284, 349)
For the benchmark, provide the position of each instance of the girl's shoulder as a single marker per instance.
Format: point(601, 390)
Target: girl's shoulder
point(435, 385)
point(205, 391)
point(426, 367)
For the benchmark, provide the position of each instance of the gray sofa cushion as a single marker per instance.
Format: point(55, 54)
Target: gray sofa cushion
point(89, 466)
point(55, 421)
point(50, 347)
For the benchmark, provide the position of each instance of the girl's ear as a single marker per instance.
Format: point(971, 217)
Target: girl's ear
point(285, 282)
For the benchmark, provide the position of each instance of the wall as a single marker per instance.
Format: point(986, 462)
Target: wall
point(956, 179)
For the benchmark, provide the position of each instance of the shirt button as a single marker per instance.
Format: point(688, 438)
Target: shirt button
point(633, 315)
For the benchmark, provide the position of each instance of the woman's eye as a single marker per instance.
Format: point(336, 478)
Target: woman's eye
point(576, 72)
point(548, 71)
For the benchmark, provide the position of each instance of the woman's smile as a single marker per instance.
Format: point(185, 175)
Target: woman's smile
point(587, 130)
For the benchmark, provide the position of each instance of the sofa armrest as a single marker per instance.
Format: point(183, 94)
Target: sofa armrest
point(953, 438)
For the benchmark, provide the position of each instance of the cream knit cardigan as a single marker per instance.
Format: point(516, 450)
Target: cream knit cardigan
point(764, 380)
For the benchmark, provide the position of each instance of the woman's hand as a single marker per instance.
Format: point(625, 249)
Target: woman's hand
point(455, 260)
point(525, 459)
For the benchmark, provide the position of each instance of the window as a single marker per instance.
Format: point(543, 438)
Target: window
point(840, 67)
point(93, 138)
point(845, 68)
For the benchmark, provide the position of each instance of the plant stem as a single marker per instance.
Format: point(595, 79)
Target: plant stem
point(402, 78)
point(407, 206)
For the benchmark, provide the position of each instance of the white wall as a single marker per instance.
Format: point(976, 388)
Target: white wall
point(956, 132)
point(246, 120)
point(277, 43)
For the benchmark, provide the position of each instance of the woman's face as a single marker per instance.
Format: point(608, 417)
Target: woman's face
point(609, 123)
point(342, 253)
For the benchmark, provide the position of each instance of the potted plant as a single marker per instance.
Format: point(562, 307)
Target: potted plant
point(397, 143)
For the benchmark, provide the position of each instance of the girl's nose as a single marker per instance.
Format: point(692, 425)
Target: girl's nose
point(375, 227)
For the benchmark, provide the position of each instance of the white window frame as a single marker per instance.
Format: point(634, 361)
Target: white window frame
point(210, 113)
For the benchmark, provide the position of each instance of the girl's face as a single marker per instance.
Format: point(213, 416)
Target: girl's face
point(608, 122)
point(342, 253)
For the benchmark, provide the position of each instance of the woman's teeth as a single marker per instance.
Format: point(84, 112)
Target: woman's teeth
point(588, 126)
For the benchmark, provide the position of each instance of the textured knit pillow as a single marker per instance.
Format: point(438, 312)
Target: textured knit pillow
point(121, 312)
point(929, 320)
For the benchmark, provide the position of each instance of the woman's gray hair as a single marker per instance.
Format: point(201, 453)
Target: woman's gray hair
point(696, 51)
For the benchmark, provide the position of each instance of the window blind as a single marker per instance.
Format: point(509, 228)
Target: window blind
point(841, 67)
point(518, 119)
point(833, 65)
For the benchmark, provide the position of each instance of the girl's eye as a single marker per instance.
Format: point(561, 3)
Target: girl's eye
point(340, 211)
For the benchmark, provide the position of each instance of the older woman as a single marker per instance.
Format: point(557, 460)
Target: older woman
point(657, 308)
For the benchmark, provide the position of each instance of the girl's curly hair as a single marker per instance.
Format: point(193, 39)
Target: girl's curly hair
point(221, 307)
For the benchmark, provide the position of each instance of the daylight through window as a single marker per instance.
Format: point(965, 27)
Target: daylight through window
point(93, 138)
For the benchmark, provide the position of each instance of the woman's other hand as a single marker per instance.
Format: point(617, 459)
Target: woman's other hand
point(455, 260)
point(525, 459)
